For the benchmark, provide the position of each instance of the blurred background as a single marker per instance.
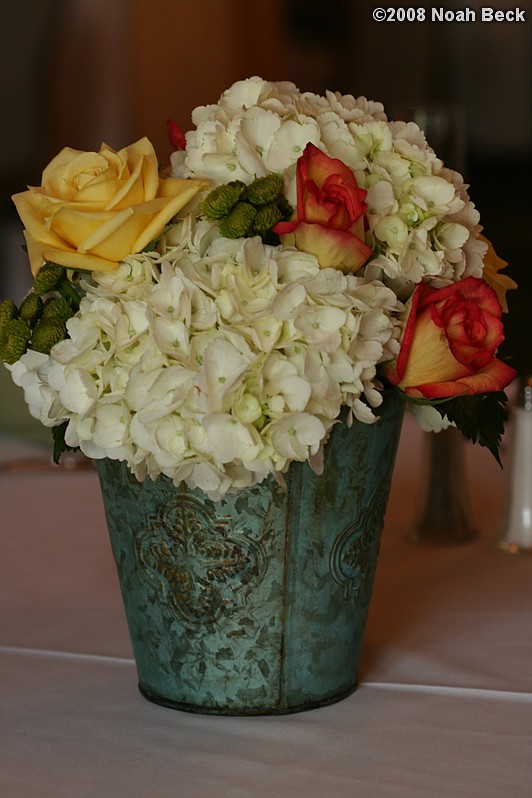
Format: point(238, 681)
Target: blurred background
point(79, 72)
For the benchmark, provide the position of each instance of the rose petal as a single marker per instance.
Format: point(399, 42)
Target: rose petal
point(333, 248)
point(76, 261)
point(178, 192)
point(429, 357)
point(494, 377)
point(317, 166)
point(61, 177)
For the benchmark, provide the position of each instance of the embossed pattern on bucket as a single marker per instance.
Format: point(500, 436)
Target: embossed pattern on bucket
point(255, 604)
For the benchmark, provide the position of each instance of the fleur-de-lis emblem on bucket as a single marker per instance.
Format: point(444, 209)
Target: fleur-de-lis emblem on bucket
point(200, 564)
point(353, 559)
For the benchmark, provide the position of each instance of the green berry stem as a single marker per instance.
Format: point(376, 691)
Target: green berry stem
point(68, 292)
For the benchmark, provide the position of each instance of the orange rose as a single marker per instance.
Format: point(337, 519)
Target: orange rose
point(330, 212)
point(449, 342)
point(493, 266)
point(95, 208)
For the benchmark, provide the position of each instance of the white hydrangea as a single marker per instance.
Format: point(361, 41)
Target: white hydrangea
point(216, 363)
point(258, 127)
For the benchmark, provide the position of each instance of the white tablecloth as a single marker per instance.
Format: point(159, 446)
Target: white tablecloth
point(445, 702)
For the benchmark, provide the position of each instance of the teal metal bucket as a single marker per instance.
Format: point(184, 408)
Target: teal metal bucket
point(255, 604)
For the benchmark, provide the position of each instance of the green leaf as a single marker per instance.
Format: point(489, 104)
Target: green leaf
point(480, 417)
point(58, 434)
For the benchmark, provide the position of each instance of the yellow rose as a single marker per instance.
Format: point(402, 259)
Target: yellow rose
point(95, 208)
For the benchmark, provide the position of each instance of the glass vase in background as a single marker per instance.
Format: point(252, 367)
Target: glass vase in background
point(442, 513)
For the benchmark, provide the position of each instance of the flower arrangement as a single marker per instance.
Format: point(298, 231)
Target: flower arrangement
point(301, 255)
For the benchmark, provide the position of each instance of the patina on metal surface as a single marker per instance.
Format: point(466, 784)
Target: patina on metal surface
point(255, 604)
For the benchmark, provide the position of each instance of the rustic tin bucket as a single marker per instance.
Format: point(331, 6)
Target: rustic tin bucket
point(255, 604)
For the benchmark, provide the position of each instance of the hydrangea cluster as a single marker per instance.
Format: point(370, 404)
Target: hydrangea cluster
point(215, 361)
point(422, 225)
